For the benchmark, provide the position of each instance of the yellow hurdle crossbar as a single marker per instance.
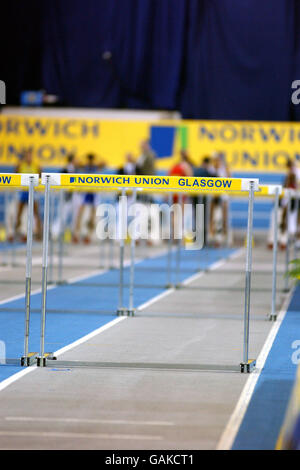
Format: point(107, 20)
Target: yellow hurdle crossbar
point(17, 180)
point(165, 183)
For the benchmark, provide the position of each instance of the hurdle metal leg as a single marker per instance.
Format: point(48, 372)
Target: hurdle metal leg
point(51, 241)
point(169, 254)
point(248, 364)
point(122, 221)
point(179, 243)
point(61, 236)
point(288, 242)
point(201, 200)
point(6, 218)
point(28, 358)
point(42, 358)
point(13, 245)
point(111, 250)
point(273, 315)
point(101, 252)
point(228, 224)
point(131, 309)
point(207, 219)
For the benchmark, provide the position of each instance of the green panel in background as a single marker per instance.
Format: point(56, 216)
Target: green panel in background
point(183, 137)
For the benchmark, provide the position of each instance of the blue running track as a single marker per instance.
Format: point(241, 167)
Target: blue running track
point(264, 417)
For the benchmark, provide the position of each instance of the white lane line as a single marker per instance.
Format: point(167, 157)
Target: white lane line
point(231, 430)
point(75, 435)
point(155, 299)
point(87, 421)
point(190, 279)
point(51, 287)
point(5, 383)
point(72, 280)
point(88, 336)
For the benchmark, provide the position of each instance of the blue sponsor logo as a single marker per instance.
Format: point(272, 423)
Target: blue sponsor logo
point(162, 140)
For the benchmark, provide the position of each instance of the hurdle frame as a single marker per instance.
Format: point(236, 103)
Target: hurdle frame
point(42, 357)
point(240, 184)
point(276, 190)
point(30, 181)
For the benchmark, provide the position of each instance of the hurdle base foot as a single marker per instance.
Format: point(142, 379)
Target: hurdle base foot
point(29, 360)
point(42, 361)
point(131, 312)
point(272, 317)
point(248, 367)
point(121, 311)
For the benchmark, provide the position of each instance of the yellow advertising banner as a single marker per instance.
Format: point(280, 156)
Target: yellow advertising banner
point(248, 146)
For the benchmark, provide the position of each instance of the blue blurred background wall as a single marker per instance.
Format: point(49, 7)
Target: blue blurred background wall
point(209, 59)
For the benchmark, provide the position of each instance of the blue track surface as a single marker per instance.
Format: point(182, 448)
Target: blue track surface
point(64, 328)
point(5, 246)
point(264, 417)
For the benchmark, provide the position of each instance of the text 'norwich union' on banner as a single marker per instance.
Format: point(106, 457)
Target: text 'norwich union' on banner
point(248, 146)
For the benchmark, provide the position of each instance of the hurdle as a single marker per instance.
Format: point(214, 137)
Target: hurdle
point(171, 184)
point(289, 195)
point(30, 181)
point(275, 190)
point(122, 215)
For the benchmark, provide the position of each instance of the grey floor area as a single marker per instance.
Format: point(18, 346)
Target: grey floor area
point(167, 379)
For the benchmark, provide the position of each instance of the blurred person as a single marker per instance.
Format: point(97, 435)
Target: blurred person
point(205, 170)
point(145, 164)
point(184, 167)
point(27, 165)
point(219, 204)
point(71, 166)
point(89, 200)
point(297, 171)
point(68, 201)
point(285, 226)
point(181, 168)
point(288, 226)
point(129, 167)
